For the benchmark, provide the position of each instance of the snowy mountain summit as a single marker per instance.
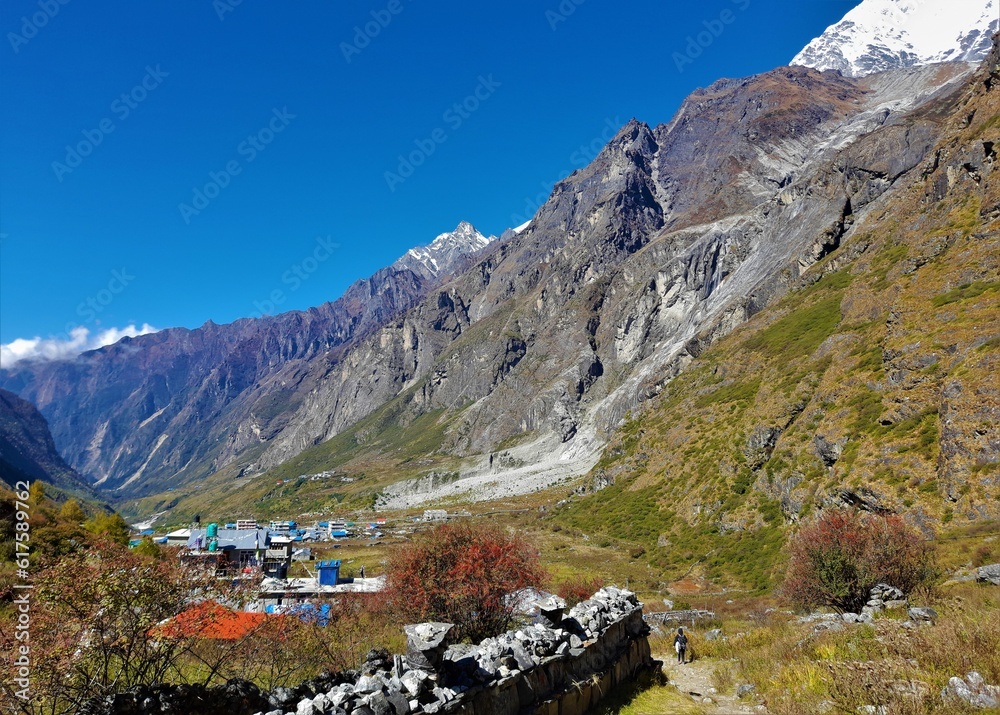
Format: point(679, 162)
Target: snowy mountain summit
point(441, 256)
point(880, 35)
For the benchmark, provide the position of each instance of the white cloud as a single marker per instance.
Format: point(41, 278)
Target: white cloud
point(79, 340)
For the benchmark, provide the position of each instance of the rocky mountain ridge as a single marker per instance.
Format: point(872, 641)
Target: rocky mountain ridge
point(441, 256)
point(880, 35)
point(524, 359)
point(156, 406)
point(872, 383)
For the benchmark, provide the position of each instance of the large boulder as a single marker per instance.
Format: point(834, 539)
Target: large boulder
point(989, 574)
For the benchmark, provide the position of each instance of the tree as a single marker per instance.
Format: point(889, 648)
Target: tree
point(463, 574)
point(36, 493)
point(91, 615)
point(71, 511)
point(110, 526)
point(836, 560)
point(148, 547)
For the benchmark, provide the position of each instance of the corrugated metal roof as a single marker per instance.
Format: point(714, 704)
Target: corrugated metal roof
point(243, 540)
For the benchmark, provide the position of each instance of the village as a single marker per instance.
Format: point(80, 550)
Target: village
point(291, 567)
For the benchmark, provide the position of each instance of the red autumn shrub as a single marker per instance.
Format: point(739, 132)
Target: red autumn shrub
point(837, 559)
point(463, 574)
point(578, 588)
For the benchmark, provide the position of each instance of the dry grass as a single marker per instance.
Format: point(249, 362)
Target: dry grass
point(658, 698)
point(797, 670)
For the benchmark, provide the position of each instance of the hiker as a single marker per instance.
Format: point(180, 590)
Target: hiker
point(680, 644)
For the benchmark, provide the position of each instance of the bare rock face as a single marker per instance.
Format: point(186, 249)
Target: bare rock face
point(669, 239)
point(27, 451)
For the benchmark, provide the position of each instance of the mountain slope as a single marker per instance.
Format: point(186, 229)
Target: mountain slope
point(27, 451)
point(672, 236)
point(520, 362)
point(880, 35)
point(178, 404)
point(872, 383)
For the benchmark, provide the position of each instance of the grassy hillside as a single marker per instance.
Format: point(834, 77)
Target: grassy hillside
point(872, 383)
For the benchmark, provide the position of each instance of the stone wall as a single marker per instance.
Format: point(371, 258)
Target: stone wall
point(559, 666)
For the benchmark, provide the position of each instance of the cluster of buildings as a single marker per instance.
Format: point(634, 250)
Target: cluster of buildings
point(245, 546)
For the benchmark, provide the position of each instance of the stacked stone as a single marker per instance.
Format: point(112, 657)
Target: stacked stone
point(437, 678)
point(882, 596)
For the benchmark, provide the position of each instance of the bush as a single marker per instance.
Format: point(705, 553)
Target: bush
point(836, 560)
point(578, 588)
point(463, 574)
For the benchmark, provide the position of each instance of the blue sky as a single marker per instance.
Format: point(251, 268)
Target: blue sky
point(167, 163)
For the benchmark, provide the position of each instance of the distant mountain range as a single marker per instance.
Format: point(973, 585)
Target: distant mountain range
point(27, 451)
point(441, 256)
point(162, 407)
point(880, 35)
point(483, 367)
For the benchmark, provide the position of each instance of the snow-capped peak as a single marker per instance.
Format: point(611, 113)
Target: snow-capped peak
point(441, 255)
point(880, 35)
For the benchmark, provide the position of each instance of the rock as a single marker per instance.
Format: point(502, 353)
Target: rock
point(713, 634)
point(551, 610)
point(922, 613)
point(400, 705)
point(415, 682)
point(828, 626)
point(851, 617)
point(746, 689)
point(283, 698)
point(378, 703)
point(522, 660)
point(828, 451)
point(760, 444)
point(898, 603)
point(306, 707)
point(989, 574)
point(886, 592)
point(369, 684)
point(972, 690)
point(425, 644)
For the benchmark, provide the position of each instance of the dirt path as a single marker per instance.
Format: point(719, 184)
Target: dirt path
point(695, 681)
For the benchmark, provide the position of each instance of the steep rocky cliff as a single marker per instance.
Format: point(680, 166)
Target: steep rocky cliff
point(670, 238)
point(27, 452)
point(871, 383)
